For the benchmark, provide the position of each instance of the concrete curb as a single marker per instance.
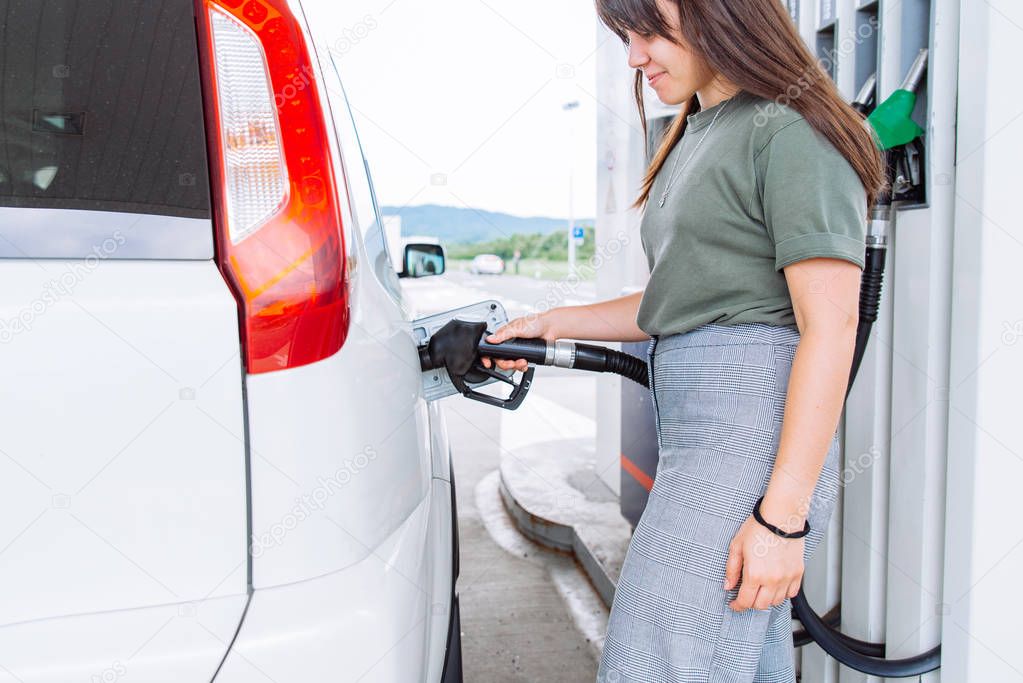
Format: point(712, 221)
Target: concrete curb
point(560, 537)
point(557, 500)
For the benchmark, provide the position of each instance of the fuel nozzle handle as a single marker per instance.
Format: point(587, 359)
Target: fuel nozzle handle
point(534, 350)
point(916, 71)
point(864, 101)
point(459, 345)
point(454, 347)
point(567, 354)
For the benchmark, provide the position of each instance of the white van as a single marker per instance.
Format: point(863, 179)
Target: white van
point(216, 461)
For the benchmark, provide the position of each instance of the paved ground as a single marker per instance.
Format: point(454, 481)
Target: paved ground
point(520, 612)
point(518, 293)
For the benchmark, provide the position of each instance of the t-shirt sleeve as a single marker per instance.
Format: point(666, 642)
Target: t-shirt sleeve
point(813, 201)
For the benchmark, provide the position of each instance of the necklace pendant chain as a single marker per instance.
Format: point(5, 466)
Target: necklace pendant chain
point(672, 177)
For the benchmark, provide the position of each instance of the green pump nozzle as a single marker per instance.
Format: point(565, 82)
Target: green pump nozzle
point(891, 120)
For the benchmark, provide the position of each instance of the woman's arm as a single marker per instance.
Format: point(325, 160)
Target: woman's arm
point(825, 298)
point(825, 294)
point(612, 320)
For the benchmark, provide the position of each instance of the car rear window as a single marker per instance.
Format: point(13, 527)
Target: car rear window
point(100, 107)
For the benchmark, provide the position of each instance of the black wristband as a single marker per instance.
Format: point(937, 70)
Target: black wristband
point(775, 530)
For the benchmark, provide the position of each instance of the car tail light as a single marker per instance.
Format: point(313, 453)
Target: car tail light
point(280, 240)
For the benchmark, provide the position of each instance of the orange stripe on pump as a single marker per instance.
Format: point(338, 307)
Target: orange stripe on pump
point(639, 475)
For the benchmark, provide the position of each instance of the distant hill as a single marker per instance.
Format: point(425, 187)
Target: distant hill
point(454, 225)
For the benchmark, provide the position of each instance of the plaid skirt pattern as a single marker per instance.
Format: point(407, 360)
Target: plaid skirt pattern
point(719, 397)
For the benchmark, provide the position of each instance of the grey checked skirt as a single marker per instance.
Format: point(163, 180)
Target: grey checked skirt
point(719, 397)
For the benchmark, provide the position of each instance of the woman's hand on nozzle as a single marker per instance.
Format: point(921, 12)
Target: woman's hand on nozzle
point(531, 326)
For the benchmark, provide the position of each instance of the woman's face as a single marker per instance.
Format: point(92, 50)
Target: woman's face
point(672, 69)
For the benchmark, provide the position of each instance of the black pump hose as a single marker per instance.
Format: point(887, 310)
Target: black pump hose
point(871, 283)
point(831, 620)
point(567, 354)
point(839, 646)
point(600, 359)
point(868, 658)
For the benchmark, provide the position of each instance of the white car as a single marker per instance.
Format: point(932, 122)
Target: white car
point(487, 264)
point(216, 461)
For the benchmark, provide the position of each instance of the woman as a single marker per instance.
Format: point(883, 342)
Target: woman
point(754, 223)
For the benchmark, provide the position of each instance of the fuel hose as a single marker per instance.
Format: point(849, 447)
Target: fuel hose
point(567, 354)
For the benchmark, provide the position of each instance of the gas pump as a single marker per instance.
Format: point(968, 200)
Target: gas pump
point(899, 137)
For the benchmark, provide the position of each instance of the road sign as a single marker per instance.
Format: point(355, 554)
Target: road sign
point(577, 232)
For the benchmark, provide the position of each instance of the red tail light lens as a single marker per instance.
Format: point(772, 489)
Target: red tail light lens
point(279, 234)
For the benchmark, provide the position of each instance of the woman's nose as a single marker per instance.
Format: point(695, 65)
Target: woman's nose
point(637, 54)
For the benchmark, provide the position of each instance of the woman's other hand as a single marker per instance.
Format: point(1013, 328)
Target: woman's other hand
point(771, 567)
point(531, 326)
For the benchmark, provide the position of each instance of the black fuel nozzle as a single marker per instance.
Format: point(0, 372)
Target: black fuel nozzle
point(456, 348)
point(459, 345)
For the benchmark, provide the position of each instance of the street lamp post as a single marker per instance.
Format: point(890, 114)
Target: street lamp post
point(570, 106)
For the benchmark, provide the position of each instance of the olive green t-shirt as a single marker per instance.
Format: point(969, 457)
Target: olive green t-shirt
point(763, 191)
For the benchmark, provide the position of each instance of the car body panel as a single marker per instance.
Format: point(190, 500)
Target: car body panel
point(340, 448)
point(160, 501)
point(171, 643)
point(103, 234)
point(378, 619)
point(123, 440)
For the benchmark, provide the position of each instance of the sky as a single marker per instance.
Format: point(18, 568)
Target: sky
point(459, 102)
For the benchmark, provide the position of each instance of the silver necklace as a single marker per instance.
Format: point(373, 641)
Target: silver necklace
point(672, 176)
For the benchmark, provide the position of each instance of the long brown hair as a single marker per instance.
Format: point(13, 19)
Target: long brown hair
point(755, 45)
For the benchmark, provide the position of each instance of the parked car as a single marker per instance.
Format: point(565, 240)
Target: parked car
point(217, 461)
point(487, 264)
